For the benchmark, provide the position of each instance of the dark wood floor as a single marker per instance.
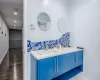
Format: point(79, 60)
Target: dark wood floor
point(12, 65)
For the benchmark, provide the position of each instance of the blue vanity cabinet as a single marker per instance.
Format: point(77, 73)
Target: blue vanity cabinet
point(61, 67)
point(65, 63)
point(46, 68)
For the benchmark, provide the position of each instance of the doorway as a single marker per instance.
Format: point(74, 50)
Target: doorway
point(11, 24)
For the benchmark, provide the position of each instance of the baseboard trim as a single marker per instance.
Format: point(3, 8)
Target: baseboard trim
point(3, 56)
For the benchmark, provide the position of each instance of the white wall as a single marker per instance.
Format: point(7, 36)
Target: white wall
point(4, 40)
point(84, 18)
point(55, 9)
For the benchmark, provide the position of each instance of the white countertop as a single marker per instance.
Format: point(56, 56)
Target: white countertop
point(42, 54)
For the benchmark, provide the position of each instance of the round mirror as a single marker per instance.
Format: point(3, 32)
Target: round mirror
point(44, 21)
point(62, 24)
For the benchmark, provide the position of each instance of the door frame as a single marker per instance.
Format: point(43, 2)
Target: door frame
point(26, 69)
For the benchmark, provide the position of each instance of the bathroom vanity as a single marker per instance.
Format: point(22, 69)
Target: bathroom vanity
point(56, 65)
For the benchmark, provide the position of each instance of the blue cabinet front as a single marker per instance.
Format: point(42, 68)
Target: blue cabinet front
point(65, 63)
point(50, 68)
point(46, 69)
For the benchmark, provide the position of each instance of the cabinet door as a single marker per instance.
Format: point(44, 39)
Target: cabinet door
point(46, 68)
point(79, 58)
point(65, 63)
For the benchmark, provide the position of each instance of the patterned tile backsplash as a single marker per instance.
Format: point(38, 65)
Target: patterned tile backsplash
point(63, 41)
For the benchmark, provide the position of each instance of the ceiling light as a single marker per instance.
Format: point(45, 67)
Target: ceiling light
point(45, 1)
point(14, 25)
point(15, 21)
point(15, 13)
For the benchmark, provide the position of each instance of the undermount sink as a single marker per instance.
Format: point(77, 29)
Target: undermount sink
point(44, 52)
point(41, 54)
point(54, 51)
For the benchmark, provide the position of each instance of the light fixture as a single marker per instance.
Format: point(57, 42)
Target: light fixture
point(14, 21)
point(45, 1)
point(14, 25)
point(16, 12)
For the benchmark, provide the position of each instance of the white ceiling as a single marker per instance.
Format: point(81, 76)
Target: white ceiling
point(7, 8)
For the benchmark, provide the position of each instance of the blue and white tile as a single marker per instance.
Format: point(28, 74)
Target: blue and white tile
point(63, 41)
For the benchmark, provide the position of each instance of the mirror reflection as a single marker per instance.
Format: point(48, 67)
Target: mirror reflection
point(44, 21)
point(62, 25)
